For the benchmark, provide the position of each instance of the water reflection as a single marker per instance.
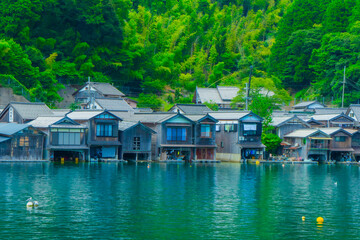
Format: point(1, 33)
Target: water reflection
point(179, 201)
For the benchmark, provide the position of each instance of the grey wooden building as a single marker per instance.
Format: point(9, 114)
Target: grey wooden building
point(17, 112)
point(20, 142)
point(103, 130)
point(136, 141)
point(238, 135)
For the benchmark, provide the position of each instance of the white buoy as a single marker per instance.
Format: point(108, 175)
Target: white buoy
point(36, 203)
point(29, 204)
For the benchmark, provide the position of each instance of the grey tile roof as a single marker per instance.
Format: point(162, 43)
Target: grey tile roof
point(107, 89)
point(9, 129)
point(192, 108)
point(302, 133)
point(209, 95)
point(60, 112)
point(356, 109)
point(84, 114)
point(325, 111)
point(325, 117)
point(235, 115)
point(331, 131)
point(277, 120)
point(304, 104)
point(44, 122)
point(227, 93)
point(31, 110)
point(148, 110)
point(3, 139)
point(126, 125)
point(116, 104)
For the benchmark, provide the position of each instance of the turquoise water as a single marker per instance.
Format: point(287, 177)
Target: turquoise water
point(179, 201)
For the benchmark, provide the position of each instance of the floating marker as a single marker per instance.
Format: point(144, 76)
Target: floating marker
point(257, 162)
point(303, 218)
point(320, 220)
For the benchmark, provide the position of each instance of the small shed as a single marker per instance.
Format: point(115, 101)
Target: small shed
point(136, 141)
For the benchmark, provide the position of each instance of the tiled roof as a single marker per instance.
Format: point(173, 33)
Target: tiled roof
point(235, 115)
point(31, 110)
point(60, 112)
point(126, 125)
point(227, 93)
point(116, 104)
point(209, 95)
point(84, 114)
point(330, 131)
point(44, 122)
point(303, 133)
point(325, 117)
point(192, 108)
point(11, 128)
point(107, 89)
point(304, 104)
point(326, 111)
point(356, 109)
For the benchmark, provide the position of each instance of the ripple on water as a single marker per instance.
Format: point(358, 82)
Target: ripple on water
point(205, 201)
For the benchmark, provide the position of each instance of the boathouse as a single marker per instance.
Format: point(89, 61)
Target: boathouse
point(20, 142)
point(136, 141)
point(238, 135)
point(308, 144)
point(102, 137)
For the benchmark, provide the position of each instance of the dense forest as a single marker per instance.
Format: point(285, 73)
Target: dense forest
point(159, 51)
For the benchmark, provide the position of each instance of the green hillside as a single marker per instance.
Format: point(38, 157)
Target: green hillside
point(161, 50)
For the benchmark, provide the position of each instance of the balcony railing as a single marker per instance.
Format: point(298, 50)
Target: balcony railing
point(319, 146)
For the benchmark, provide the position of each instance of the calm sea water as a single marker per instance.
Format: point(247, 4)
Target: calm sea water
point(179, 201)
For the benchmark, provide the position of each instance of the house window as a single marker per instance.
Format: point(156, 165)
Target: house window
point(230, 127)
point(218, 127)
point(136, 143)
point(250, 129)
point(176, 134)
point(340, 139)
point(104, 130)
point(205, 131)
point(11, 114)
point(24, 142)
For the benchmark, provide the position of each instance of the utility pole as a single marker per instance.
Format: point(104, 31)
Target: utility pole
point(248, 90)
point(343, 90)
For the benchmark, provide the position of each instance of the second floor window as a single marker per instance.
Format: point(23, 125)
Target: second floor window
point(250, 129)
point(104, 130)
point(230, 127)
point(205, 131)
point(176, 134)
point(340, 139)
point(136, 143)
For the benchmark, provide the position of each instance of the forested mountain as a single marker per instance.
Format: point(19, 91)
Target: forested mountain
point(161, 47)
point(314, 42)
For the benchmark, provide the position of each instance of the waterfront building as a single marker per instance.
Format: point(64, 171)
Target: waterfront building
point(354, 112)
point(287, 124)
point(103, 131)
point(307, 144)
point(308, 106)
point(238, 135)
point(136, 141)
point(334, 120)
point(19, 112)
point(340, 144)
point(111, 104)
point(65, 138)
point(190, 109)
point(20, 142)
